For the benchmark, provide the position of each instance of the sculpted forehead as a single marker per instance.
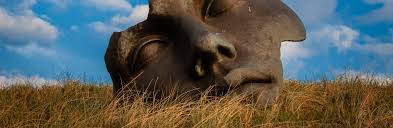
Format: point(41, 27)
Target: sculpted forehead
point(277, 19)
point(170, 7)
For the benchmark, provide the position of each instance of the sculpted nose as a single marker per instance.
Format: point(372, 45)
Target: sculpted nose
point(216, 47)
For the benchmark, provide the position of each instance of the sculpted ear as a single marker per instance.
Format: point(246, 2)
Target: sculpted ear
point(285, 23)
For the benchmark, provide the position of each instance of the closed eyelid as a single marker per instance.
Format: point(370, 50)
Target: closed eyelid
point(141, 44)
point(206, 7)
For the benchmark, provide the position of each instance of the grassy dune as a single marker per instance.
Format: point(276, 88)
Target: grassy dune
point(338, 103)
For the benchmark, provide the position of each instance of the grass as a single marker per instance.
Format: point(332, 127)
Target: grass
point(338, 103)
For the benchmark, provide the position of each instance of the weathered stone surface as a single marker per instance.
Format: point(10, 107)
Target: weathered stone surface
point(232, 44)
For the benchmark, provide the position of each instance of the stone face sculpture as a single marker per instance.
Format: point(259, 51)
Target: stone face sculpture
point(194, 44)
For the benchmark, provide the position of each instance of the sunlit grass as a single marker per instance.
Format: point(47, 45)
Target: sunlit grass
point(339, 103)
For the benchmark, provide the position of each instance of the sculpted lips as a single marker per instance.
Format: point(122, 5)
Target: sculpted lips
point(245, 76)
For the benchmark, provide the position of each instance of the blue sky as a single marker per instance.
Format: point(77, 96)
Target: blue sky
point(45, 38)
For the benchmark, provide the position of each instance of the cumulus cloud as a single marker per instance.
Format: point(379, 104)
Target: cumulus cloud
point(30, 27)
point(34, 81)
point(137, 14)
point(382, 49)
point(341, 36)
point(101, 27)
point(382, 14)
point(292, 55)
point(294, 50)
point(323, 33)
point(23, 7)
point(32, 50)
point(327, 34)
point(117, 5)
point(25, 33)
point(319, 42)
point(316, 19)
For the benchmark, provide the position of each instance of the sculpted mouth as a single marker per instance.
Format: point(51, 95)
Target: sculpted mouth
point(247, 81)
point(246, 76)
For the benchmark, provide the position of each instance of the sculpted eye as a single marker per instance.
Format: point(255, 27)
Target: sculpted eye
point(217, 7)
point(147, 51)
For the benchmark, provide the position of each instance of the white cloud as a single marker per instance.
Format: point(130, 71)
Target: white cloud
point(318, 43)
point(292, 67)
point(327, 34)
point(25, 28)
point(26, 4)
point(316, 20)
point(137, 14)
point(34, 81)
point(382, 49)
point(121, 5)
point(292, 55)
point(24, 7)
point(294, 50)
point(383, 14)
point(320, 40)
point(341, 36)
point(377, 46)
point(102, 27)
point(31, 50)
point(24, 32)
point(323, 33)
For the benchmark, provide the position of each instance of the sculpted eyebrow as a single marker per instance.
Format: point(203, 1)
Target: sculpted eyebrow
point(216, 7)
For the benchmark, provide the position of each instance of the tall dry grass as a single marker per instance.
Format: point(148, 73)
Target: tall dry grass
point(338, 103)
